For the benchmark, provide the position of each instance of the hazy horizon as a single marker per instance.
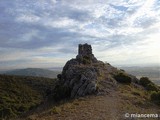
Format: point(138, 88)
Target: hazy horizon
point(46, 34)
point(61, 67)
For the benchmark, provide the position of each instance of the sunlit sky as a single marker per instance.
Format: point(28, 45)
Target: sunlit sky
point(46, 33)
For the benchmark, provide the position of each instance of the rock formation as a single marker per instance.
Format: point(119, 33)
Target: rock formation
point(79, 77)
point(84, 75)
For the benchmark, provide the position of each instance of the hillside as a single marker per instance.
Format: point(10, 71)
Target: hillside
point(19, 94)
point(37, 72)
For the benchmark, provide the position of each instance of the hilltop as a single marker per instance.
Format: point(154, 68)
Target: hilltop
point(85, 75)
point(90, 89)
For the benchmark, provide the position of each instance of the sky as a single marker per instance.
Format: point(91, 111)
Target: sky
point(46, 33)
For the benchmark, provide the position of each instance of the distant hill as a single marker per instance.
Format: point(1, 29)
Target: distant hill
point(37, 72)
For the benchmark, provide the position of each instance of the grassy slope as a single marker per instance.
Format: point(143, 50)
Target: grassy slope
point(20, 94)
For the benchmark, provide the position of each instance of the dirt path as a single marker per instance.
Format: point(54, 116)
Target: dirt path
point(103, 107)
point(111, 106)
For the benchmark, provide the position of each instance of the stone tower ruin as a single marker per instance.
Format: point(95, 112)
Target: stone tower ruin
point(85, 50)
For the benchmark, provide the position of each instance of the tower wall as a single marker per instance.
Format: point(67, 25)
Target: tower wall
point(84, 49)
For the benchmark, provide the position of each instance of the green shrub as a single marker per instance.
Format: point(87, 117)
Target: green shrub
point(136, 93)
point(61, 92)
point(149, 85)
point(107, 63)
point(59, 76)
point(122, 70)
point(144, 81)
point(86, 60)
point(155, 97)
point(6, 113)
point(122, 78)
point(56, 110)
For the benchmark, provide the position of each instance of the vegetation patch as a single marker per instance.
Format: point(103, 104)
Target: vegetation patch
point(148, 84)
point(122, 78)
point(21, 94)
point(56, 110)
point(155, 97)
point(86, 60)
point(61, 92)
point(152, 88)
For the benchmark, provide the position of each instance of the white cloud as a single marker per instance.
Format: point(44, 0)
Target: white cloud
point(28, 18)
point(140, 52)
point(61, 23)
point(28, 36)
point(144, 11)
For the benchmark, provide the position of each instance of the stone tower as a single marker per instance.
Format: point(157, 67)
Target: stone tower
point(85, 50)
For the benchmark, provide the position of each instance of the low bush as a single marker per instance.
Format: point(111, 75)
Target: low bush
point(86, 60)
point(152, 87)
point(59, 76)
point(144, 81)
point(61, 92)
point(123, 78)
point(6, 113)
point(155, 97)
point(148, 84)
point(122, 70)
point(56, 110)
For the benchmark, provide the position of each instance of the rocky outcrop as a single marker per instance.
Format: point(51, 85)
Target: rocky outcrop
point(83, 75)
point(79, 77)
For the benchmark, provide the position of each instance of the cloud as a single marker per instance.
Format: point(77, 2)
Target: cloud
point(49, 30)
point(120, 8)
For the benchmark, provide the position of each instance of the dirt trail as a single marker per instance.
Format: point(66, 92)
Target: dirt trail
point(110, 106)
point(103, 107)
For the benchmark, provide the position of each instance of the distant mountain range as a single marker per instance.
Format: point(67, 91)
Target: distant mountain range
point(37, 72)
